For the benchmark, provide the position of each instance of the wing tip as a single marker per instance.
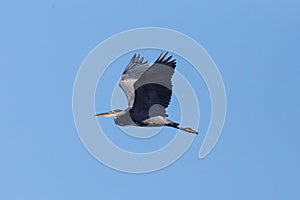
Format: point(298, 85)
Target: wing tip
point(166, 61)
point(136, 59)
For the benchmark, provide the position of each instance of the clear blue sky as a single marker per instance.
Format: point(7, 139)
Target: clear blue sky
point(256, 46)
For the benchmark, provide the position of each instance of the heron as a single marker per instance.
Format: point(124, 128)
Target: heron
point(148, 88)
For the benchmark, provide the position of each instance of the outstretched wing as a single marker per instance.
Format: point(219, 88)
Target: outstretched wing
point(133, 71)
point(153, 90)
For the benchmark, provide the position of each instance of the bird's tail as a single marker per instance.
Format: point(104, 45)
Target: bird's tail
point(176, 125)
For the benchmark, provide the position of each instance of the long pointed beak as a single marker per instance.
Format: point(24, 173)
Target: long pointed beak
point(107, 114)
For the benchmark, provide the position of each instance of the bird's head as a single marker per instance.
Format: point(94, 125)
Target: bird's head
point(114, 113)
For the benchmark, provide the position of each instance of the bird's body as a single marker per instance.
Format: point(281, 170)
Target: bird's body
point(148, 89)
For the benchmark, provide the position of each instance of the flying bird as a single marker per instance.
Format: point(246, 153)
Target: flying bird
point(148, 89)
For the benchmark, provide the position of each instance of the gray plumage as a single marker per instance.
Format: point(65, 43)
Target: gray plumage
point(148, 89)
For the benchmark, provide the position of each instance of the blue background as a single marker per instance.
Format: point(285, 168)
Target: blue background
point(256, 46)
